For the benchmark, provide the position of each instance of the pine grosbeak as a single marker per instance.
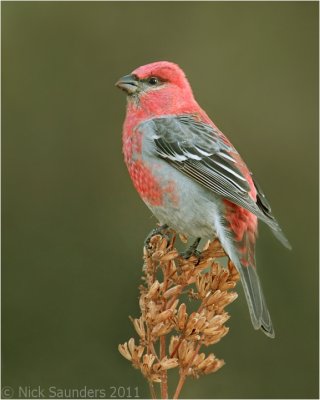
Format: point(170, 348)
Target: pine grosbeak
point(190, 176)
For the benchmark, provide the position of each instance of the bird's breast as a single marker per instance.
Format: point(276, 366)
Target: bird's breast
point(150, 177)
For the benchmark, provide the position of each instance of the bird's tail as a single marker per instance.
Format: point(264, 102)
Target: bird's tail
point(259, 313)
point(243, 257)
point(241, 250)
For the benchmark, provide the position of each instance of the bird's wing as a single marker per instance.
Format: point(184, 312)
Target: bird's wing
point(201, 152)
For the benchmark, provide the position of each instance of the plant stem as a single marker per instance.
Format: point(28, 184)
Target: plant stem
point(180, 385)
point(164, 380)
point(152, 391)
point(183, 374)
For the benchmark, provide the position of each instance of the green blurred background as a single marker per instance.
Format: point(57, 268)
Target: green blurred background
point(73, 226)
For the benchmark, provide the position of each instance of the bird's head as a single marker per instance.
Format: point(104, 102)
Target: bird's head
point(157, 87)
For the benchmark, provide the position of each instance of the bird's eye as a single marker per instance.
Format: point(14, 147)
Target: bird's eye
point(153, 81)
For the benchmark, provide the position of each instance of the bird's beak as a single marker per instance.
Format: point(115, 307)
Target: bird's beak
point(128, 83)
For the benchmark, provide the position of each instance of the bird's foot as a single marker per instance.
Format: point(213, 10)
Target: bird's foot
point(192, 250)
point(160, 230)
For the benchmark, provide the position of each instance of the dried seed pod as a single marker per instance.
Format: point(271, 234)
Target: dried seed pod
point(145, 252)
point(203, 265)
point(148, 360)
point(165, 315)
point(138, 323)
point(162, 329)
point(172, 291)
point(153, 289)
point(159, 299)
point(200, 323)
point(234, 274)
point(191, 324)
point(168, 363)
point(182, 351)
point(182, 316)
point(228, 298)
point(170, 256)
point(157, 255)
point(215, 282)
point(206, 246)
point(198, 359)
point(215, 269)
point(218, 320)
point(174, 340)
point(214, 298)
point(172, 270)
point(186, 266)
point(227, 285)
point(123, 349)
point(131, 345)
point(190, 354)
point(206, 362)
point(163, 244)
point(223, 276)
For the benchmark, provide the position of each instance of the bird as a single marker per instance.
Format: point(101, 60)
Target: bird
point(190, 175)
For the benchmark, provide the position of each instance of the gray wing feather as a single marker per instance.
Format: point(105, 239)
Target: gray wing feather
point(199, 151)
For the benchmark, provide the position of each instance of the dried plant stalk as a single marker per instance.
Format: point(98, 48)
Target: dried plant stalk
point(170, 336)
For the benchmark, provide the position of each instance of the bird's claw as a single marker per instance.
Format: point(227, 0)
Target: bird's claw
point(192, 250)
point(187, 254)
